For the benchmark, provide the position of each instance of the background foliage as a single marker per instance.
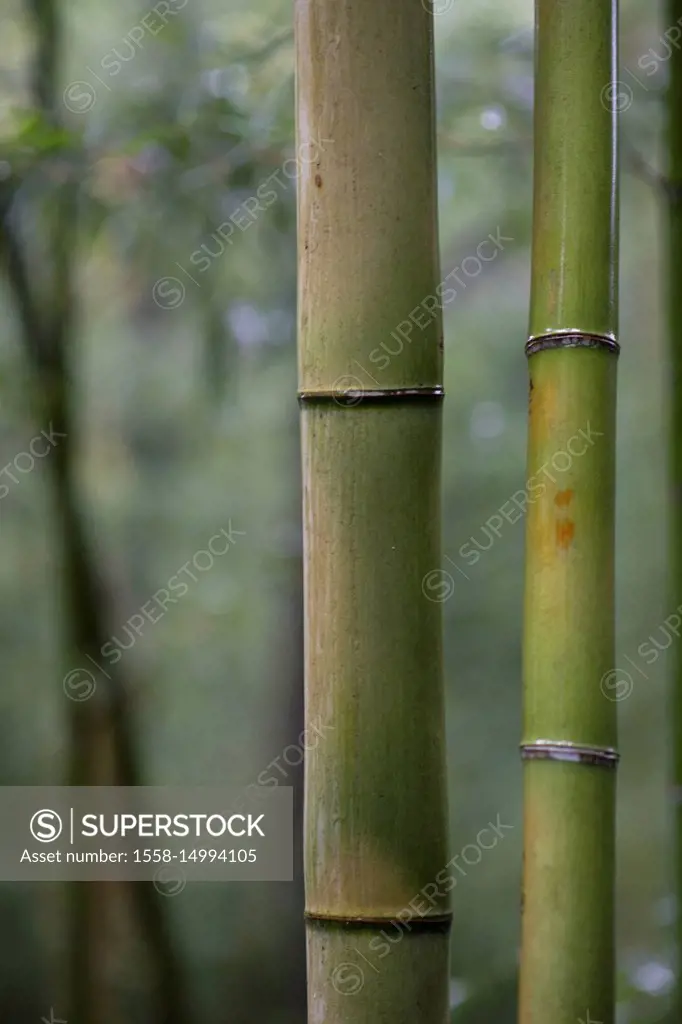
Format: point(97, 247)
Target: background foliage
point(186, 420)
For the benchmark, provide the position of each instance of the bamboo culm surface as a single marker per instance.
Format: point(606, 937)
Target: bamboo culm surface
point(569, 721)
point(375, 800)
point(674, 298)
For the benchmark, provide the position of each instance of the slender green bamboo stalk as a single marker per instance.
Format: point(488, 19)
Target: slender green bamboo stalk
point(569, 737)
point(674, 299)
point(375, 807)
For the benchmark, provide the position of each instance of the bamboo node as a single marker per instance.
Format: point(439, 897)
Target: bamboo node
point(346, 394)
point(426, 922)
point(571, 339)
point(564, 750)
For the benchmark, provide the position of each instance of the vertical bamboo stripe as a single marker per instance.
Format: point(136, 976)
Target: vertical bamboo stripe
point(674, 298)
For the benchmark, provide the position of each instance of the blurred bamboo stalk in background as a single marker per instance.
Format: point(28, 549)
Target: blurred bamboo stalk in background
point(375, 806)
point(569, 738)
point(101, 745)
point(673, 214)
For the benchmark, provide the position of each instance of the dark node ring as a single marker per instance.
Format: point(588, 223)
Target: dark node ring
point(354, 396)
point(439, 923)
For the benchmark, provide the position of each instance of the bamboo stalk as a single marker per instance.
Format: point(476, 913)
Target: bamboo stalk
point(674, 300)
point(569, 739)
point(375, 806)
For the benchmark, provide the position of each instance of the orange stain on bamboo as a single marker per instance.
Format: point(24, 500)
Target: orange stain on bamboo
point(565, 532)
point(565, 528)
point(551, 527)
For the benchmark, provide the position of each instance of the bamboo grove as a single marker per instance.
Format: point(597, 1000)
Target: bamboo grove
point(375, 808)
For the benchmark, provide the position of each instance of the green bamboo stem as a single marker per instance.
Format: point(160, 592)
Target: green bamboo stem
point(567, 964)
point(674, 299)
point(375, 805)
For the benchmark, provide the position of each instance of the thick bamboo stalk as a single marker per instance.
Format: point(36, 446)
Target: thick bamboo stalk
point(674, 300)
point(569, 739)
point(375, 806)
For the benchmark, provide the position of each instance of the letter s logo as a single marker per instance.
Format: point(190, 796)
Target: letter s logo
point(46, 826)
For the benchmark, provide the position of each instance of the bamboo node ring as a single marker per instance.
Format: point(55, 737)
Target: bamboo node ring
point(571, 339)
point(564, 750)
point(349, 391)
point(427, 922)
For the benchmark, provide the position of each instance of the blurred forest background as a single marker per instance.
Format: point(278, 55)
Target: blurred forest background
point(165, 352)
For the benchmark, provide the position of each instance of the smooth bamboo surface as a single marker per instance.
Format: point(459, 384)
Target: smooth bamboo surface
point(567, 962)
point(375, 804)
point(574, 282)
point(567, 925)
